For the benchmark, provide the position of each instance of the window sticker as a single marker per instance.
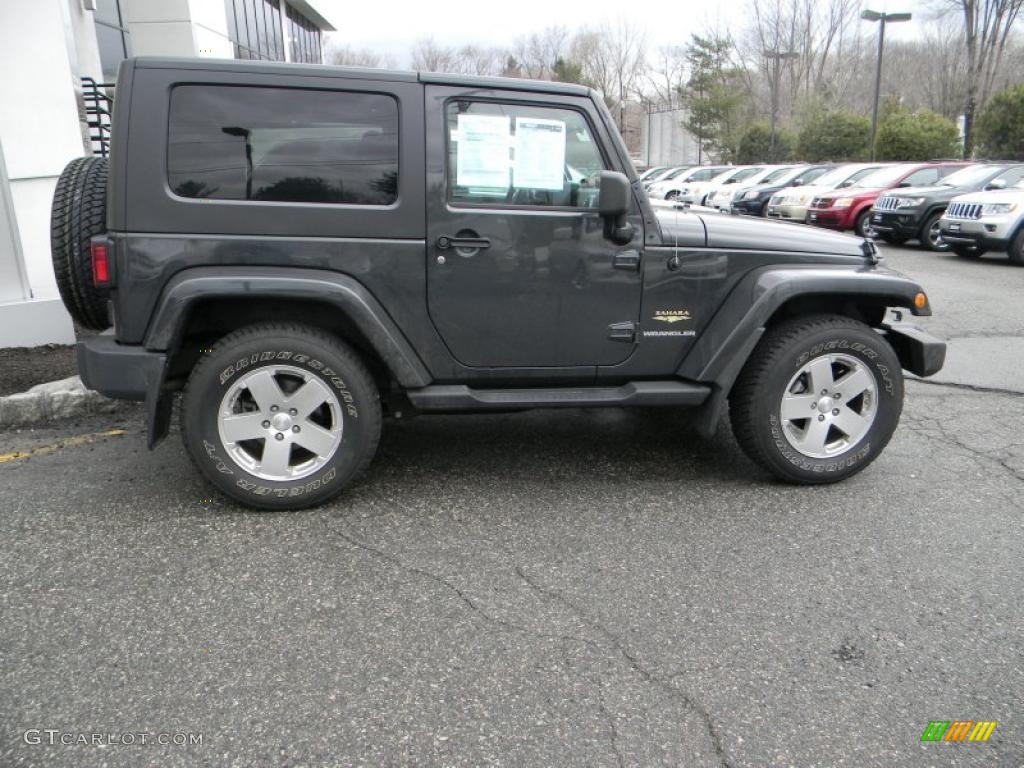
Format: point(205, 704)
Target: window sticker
point(540, 154)
point(482, 155)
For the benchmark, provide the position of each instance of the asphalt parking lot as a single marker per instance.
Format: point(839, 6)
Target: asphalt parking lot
point(592, 588)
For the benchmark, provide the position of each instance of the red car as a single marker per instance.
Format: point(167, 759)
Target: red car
point(850, 207)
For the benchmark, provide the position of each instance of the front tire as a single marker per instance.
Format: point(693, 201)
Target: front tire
point(931, 235)
point(862, 225)
point(818, 400)
point(281, 416)
point(1016, 249)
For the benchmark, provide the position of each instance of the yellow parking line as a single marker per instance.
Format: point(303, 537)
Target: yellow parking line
point(71, 442)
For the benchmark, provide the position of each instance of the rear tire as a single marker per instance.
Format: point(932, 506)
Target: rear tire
point(842, 375)
point(79, 212)
point(281, 416)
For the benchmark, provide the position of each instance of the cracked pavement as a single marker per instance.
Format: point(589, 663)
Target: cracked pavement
point(592, 588)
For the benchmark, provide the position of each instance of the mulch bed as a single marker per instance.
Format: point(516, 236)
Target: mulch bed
point(24, 367)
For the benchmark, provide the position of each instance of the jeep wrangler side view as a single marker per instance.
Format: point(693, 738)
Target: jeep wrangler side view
point(299, 250)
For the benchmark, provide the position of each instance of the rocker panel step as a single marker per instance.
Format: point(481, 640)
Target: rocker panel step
point(458, 397)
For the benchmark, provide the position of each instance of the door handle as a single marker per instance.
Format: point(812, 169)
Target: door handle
point(467, 243)
point(629, 260)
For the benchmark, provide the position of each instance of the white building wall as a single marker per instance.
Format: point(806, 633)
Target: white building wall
point(666, 141)
point(178, 28)
point(38, 138)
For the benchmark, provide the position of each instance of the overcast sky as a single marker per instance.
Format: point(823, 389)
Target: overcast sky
point(393, 27)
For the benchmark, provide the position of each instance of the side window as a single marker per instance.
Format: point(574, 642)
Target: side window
point(922, 178)
point(516, 154)
point(1012, 176)
point(283, 144)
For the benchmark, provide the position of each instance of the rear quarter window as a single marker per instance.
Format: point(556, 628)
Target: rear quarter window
point(283, 144)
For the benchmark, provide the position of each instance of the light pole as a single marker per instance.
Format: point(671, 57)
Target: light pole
point(883, 19)
point(777, 57)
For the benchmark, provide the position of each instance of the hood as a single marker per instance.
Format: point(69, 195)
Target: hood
point(855, 192)
point(719, 230)
point(1014, 195)
point(936, 192)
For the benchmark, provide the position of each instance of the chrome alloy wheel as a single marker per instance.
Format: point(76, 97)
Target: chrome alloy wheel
point(829, 406)
point(935, 241)
point(280, 423)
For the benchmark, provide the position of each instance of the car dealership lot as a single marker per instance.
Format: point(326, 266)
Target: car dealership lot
point(545, 588)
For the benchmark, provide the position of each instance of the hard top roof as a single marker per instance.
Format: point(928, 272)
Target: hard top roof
point(360, 73)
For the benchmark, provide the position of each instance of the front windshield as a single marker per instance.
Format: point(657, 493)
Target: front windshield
point(744, 173)
point(970, 176)
point(883, 177)
point(673, 174)
point(833, 178)
point(703, 174)
point(780, 174)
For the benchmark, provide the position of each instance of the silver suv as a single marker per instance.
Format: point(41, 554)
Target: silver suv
point(986, 221)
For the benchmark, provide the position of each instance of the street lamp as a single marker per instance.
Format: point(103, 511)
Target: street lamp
point(777, 58)
point(883, 19)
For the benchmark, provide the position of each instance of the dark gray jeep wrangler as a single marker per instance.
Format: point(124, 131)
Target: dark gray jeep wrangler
point(302, 249)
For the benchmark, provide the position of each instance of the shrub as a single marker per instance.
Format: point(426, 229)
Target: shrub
point(755, 145)
point(921, 135)
point(1000, 128)
point(834, 136)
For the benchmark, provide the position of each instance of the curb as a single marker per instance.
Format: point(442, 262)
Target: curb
point(52, 401)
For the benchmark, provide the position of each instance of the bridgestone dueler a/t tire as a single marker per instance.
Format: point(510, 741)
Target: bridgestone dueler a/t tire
point(756, 398)
point(316, 353)
point(79, 211)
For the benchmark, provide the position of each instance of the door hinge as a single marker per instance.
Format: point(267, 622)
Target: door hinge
point(622, 331)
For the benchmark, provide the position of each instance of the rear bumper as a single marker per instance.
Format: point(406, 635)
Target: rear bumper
point(920, 353)
point(120, 371)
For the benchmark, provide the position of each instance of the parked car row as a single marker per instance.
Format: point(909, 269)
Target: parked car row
point(968, 208)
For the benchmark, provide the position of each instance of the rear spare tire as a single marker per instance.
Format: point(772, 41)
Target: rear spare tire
point(80, 211)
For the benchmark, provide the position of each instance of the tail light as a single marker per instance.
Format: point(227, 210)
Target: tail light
point(100, 264)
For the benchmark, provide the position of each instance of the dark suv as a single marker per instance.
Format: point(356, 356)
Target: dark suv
point(302, 250)
point(914, 213)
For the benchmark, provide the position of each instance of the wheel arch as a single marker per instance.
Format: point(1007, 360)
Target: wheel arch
point(769, 296)
point(201, 305)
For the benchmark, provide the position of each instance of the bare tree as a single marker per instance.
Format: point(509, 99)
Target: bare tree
point(987, 28)
point(667, 75)
point(428, 56)
point(613, 60)
point(538, 53)
point(347, 56)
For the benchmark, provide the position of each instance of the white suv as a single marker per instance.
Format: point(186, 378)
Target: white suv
point(986, 221)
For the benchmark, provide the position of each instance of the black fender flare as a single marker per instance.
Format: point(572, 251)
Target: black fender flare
point(343, 291)
point(725, 345)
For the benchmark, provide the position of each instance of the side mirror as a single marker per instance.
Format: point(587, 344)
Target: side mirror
point(796, 183)
point(845, 184)
point(614, 204)
point(903, 184)
point(996, 184)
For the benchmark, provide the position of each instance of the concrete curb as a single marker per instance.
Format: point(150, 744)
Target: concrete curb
point(52, 401)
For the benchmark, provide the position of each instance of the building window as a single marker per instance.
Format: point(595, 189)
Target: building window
point(254, 26)
point(112, 37)
point(283, 144)
point(303, 37)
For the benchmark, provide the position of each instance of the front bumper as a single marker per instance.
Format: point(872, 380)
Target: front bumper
point(748, 207)
point(906, 225)
point(919, 352)
point(975, 233)
point(788, 212)
point(833, 218)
